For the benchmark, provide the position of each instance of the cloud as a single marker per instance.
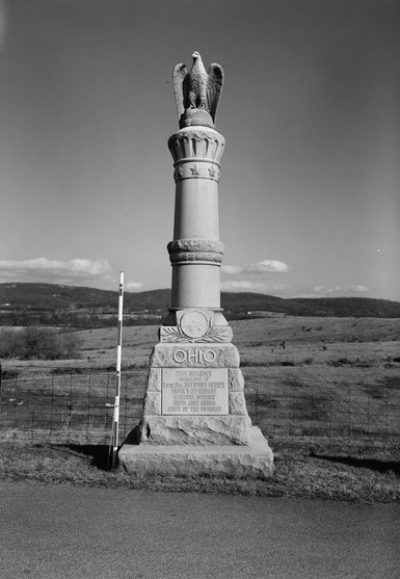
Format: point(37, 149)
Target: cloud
point(242, 286)
point(231, 269)
point(257, 277)
point(340, 289)
point(85, 272)
point(43, 266)
point(268, 265)
point(252, 286)
point(133, 286)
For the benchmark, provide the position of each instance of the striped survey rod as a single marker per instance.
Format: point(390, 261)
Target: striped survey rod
point(115, 428)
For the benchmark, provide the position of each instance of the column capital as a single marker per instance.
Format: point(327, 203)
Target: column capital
point(196, 143)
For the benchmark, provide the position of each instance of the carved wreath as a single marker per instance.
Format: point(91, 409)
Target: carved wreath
point(213, 334)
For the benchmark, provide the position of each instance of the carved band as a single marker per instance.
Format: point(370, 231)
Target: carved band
point(196, 250)
point(210, 258)
point(212, 245)
point(190, 143)
point(196, 168)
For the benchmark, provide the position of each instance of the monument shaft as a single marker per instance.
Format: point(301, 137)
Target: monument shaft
point(196, 252)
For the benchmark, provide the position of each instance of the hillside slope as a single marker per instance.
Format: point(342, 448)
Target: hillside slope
point(22, 303)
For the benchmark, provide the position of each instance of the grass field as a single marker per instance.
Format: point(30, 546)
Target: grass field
point(325, 377)
point(319, 388)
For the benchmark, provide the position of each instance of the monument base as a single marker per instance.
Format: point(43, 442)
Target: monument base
point(254, 460)
point(196, 430)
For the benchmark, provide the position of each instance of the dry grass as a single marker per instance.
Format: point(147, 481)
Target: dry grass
point(304, 378)
point(298, 474)
point(294, 383)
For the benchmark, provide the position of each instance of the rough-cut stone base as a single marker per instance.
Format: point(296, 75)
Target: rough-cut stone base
point(254, 460)
point(195, 430)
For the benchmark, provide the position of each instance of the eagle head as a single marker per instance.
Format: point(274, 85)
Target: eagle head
point(195, 55)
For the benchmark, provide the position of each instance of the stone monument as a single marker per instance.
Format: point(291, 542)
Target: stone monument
point(194, 417)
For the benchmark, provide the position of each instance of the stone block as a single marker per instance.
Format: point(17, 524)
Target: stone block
point(154, 380)
point(236, 380)
point(195, 430)
point(152, 403)
point(237, 404)
point(252, 461)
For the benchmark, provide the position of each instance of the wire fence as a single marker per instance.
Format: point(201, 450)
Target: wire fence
point(62, 406)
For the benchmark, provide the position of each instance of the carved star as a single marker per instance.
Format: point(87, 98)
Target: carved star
point(178, 173)
point(194, 171)
point(211, 170)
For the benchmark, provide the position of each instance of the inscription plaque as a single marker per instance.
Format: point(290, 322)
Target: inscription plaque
point(194, 391)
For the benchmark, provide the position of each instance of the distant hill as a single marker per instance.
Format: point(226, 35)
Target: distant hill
point(53, 296)
point(338, 307)
point(22, 303)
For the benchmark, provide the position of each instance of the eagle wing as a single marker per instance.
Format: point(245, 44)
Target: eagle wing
point(214, 87)
point(179, 77)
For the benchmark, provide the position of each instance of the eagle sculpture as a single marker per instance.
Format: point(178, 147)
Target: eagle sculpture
point(197, 93)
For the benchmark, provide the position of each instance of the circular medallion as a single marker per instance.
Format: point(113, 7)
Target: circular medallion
point(194, 324)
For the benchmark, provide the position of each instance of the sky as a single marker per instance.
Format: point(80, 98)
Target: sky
point(309, 196)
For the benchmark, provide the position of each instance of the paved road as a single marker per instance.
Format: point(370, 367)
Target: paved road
point(63, 532)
